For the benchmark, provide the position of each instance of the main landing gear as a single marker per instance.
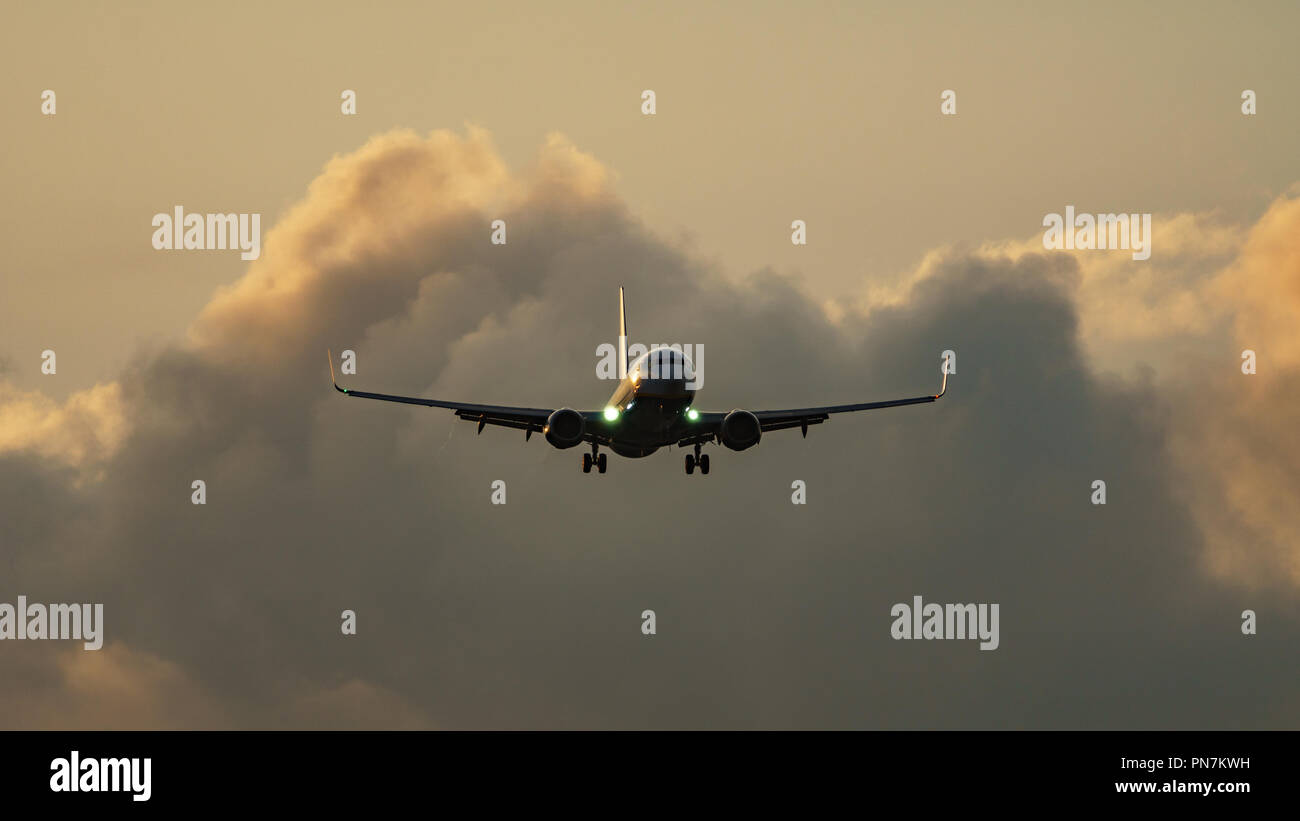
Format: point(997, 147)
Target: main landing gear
point(589, 459)
point(697, 458)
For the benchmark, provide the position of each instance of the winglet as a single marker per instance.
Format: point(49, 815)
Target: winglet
point(330, 356)
point(944, 387)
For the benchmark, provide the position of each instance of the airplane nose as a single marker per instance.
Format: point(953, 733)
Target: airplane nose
point(663, 388)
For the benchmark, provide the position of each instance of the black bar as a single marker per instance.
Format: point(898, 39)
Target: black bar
point(544, 771)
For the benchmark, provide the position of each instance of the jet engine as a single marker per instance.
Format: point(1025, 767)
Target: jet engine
point(564, 428)
point(740, 429)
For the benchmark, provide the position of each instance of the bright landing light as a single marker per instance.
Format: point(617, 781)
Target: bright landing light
point(611, 413)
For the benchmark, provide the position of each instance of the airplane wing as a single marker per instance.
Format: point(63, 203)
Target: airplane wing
point(525, 419)
point(803, 417)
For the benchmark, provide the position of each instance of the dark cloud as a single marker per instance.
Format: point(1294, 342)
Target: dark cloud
point(527, 615)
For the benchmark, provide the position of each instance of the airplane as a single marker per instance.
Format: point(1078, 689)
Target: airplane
point(652, 407)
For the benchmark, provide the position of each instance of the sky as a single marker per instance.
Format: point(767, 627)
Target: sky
point(924, 235)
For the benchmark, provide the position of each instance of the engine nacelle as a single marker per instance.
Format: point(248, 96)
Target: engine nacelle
point(564, 428)
point(740, 429)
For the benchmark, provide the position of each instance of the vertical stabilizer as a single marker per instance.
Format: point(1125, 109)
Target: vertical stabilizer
point(622, 335)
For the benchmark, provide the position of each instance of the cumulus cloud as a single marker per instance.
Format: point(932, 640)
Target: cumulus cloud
point(1211, 290)
point(527, 614)
point(116, 688)
point(84, 431)
point(1235, 439)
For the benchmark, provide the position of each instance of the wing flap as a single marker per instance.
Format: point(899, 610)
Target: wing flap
point(500, 415)
point(771, 420)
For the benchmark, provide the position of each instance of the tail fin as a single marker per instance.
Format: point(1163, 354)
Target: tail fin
point(622, 335)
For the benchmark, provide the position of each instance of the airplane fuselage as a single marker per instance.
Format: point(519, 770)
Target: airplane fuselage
point(653, 402)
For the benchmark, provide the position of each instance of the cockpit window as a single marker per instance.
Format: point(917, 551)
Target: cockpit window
point(662, 363)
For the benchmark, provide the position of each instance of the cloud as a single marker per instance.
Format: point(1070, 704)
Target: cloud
point(528, 614)
point(1235, 437)
point(84, 431)
point(1211, 290)
point(115, 688)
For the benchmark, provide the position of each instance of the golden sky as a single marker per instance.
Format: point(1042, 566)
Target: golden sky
point(767, 112)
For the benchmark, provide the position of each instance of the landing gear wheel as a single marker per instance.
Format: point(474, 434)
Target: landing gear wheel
point(690, 464)
point(586, 463)
point(600, 462)
point(704, 464)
